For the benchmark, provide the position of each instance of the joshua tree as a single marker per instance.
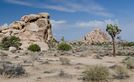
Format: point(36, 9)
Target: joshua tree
point(113, 31)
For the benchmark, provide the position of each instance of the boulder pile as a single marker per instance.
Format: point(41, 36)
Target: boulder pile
point(96, 36)
point(33, 28)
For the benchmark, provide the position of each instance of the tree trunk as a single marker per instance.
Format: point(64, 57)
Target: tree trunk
point(113, 42)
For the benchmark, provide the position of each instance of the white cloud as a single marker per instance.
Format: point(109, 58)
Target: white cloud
point(20, 2)
point(87, 6)
point(61, 24)
point(96, 23)
point(57, 24)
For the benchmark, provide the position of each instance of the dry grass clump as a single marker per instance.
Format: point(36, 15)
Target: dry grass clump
point(11, 70)
point(121, 72)
point(129, 62)
point(64, 61)
point(62, 74)
point(96, 73)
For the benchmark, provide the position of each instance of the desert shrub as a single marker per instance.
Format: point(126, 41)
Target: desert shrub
point(34, 48)
point(128, 44)
point(130, 54)
point(11, 70)
point(64, 61)
point(121, 53)
point(52, 43)
point(121, 72)
point(129, 62)
point(63, 74)
point(10, 41)
point(96, 73)
point(64, 46)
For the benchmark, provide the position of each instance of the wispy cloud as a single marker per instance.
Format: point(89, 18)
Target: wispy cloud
point(96, 23)
point(83, 25)
point(87, 6)
point(19, 2)
point(58, 24)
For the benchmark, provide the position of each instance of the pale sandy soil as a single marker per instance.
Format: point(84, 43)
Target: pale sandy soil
point(39, 71)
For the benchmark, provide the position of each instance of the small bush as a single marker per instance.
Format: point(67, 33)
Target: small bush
point(10, 41)
point(128, 44)
point(129, 62)
point(34, 48)
point(64, 61)
point(96, 73)
point(121, 72)
point(52, 43)
point(11, 70)
point(64, 46)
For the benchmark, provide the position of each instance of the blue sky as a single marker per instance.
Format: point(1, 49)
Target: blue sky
point(74, 18)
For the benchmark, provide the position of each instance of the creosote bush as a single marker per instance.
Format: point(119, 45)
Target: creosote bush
point(121, 72)
point(64, 46)
point(96, 73)
point(34, 48)
point(10, 41)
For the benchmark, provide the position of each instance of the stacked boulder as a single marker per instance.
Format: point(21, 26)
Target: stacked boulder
point(33, 28)
point(96, 36)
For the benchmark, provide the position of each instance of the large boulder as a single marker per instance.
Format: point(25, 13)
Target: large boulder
point(31, 28)
point(30, 18)
point(96, 36)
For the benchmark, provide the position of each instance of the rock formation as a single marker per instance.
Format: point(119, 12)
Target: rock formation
point(33, 28)
point(96, 36)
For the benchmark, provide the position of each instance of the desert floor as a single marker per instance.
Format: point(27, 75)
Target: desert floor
point(46, 67)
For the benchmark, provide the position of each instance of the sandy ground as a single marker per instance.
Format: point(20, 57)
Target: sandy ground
point(46, 68)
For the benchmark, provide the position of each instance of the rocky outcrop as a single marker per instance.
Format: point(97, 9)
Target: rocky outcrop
point(33, 28)
point(96, 36)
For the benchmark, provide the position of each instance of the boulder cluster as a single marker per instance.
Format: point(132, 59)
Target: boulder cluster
point(33, 28)
point(36, 29)
point(96, 36)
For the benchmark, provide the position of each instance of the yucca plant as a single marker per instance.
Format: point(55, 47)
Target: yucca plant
point(113, 31)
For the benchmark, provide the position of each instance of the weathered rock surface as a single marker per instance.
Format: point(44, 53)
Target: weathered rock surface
point(31, 29)
point(96, 36)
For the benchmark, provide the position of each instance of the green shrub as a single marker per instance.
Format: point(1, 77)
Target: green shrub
point(96, 73)
point(64, 46)
point(34, 48)
point(10, 41)
point(121, 72)
point(129, 62)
